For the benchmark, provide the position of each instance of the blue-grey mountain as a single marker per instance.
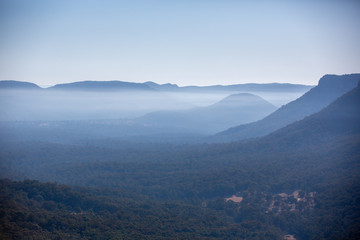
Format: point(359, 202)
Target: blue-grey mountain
point(234, 109)
point(330, 87)
point(337, 122)
point(247, 87)
point(12, 84)
point(313, 163)
point(101, 86)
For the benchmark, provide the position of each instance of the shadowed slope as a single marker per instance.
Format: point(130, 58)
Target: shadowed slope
point(330, 87)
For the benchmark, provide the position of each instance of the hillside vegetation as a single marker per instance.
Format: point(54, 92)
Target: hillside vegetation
point(302, 180)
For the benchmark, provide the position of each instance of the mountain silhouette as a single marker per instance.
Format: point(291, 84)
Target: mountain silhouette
point(236, 108)
point(11, 84)
point(102, 86)
point(330, 87)
point(163, 87)
point(339, 120)
point(247, 87)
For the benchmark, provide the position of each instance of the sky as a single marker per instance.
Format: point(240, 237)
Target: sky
point(186, 42)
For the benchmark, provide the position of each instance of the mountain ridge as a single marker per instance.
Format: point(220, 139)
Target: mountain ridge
point(102, 86)
point(330, 87)
point(241, 107)
point(280, 87)
point(13, 84)
point(172, 87)
point(339, 119)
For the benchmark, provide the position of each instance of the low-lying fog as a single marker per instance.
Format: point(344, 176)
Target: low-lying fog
point(81, 105)
point(18, 105)
point(202, 99)
point(73, 116)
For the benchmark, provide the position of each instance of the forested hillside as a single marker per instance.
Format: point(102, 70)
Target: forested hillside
point(179, 120)
point(301, 180)
point(330, 87)
point(34, 210)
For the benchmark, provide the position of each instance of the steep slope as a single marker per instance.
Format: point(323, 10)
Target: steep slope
point(317, 157)
point(102, 86)
point(236, 108)
point(341, 119)
point(302, 154)
point(11, 84)
point(330, 87)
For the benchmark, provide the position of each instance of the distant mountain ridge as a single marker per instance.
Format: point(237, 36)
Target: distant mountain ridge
point(239, 99)
point(118, 85)
point(253, 87)
point(102, 86)
point(339, 119)
point(330, 87)
point(317, 155)
point(236, 108)
point(12, 84)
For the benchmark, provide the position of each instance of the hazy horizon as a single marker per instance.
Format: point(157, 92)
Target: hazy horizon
point(182, 42)
point(190, 85)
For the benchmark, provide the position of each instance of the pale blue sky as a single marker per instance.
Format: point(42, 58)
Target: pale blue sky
point(188, 42)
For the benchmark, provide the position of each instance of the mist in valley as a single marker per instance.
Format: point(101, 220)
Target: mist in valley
point(81, 115)
point(168, 120)
point(59, 105)
point(155, 171)
point(53, 105)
